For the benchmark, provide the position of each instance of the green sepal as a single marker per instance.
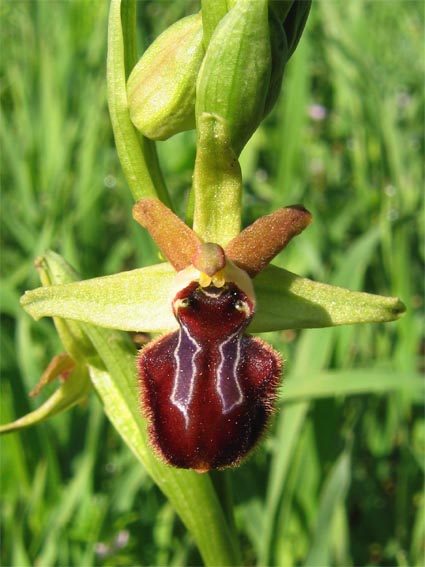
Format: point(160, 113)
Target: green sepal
point(217, 183)
point(235, 74)
point(350, 383)
point(288, 301)
point(139, 300)
point(161, 87)
point(74, 390)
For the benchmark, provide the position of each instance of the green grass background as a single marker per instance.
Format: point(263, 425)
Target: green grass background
point(339, 479)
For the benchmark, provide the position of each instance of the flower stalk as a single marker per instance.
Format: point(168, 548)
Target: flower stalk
point(136, 153)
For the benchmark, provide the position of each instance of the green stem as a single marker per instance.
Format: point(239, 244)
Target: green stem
point(128, 23)
point(217, 183)
point(137, 154)
point(222, 481)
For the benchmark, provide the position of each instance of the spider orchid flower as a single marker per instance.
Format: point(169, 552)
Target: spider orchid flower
point(207, 387)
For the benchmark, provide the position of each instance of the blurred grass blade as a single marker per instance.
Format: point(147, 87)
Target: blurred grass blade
point(288, 301)
point(137, 154)
point(313, 355)
point(73, 391)
point(191, 494)
point(350, 382)
point(334, 492)
point(79, 497)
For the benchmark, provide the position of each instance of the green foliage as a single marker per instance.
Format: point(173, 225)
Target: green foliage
point(338, 480)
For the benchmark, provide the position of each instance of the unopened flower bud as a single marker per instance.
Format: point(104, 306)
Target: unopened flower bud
point(161, 87)
point(234, 78)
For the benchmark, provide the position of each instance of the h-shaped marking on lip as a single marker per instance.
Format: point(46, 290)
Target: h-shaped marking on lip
point(227, 383)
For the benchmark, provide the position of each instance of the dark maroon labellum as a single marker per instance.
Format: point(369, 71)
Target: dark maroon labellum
point(208, 390)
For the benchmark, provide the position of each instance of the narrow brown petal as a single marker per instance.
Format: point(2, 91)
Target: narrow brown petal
point(259, 243)
point(178, 243)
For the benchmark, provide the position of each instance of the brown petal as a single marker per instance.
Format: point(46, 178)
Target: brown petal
point(174, 238)
point(259, 243)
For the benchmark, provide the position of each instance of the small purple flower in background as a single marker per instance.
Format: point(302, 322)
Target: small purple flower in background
point(317, 112)
point(104, 550)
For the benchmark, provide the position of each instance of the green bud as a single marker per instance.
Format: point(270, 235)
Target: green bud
point(234, 78)
point(161, 87)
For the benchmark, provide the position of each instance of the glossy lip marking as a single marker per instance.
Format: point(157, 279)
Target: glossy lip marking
point(183, 388)
point(229, 380)
point(185, 355)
